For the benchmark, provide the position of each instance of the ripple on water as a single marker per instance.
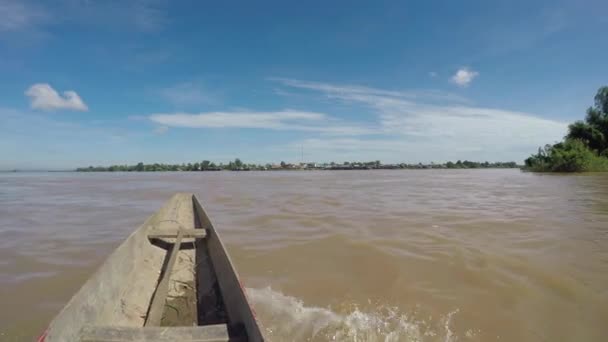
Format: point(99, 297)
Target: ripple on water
point(433, 255)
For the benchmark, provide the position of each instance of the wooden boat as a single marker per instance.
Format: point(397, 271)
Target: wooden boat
point(171, 280)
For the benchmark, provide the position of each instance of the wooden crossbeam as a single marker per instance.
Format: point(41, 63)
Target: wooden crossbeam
point(157, 233)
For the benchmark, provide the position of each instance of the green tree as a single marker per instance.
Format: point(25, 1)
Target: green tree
point(593, 132)
point(568, 156)
point(140, 167)
point(587, 133)
point(601, 100)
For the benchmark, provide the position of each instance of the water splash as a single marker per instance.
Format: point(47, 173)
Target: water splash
point(449, 334)
point(286, 318)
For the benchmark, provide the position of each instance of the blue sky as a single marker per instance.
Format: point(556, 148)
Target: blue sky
point(105, 82)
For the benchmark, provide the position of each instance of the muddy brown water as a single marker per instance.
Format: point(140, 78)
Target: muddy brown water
point(429, 255)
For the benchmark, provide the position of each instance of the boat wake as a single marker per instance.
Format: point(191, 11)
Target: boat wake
point(285, 318)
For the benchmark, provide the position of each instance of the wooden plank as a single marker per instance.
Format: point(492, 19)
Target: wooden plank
point(157, 304)
point(180, 306)
point(197, 233)
point(209, 333)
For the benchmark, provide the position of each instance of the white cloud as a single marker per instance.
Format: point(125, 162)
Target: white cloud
point(279, 120)
point(44, 97)
point(332, 90)
point(471, 126)
point(272, 120)
point(416, 128)
point(464, 76)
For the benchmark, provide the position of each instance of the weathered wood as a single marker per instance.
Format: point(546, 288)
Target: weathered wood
point(157, 306)
point(235, 301)
point(156, 233)
point(180, 306)
point(209, 333)
point(120, 293)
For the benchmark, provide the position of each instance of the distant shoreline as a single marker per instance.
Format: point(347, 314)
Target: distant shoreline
point(238, 165)
point(280, 170)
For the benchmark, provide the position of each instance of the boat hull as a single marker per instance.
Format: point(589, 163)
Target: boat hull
point(173, 271)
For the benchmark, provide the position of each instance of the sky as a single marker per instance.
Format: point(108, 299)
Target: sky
point(119, 82)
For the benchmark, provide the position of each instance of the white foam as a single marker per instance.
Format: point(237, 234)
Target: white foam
point(286, 318)
point(449, 335)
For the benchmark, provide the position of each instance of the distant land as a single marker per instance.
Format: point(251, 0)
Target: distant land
point(238, 165)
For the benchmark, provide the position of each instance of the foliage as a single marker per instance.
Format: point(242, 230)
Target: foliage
point(594, 130)
point(569, 156)
point(585, 147)
point(477, 165)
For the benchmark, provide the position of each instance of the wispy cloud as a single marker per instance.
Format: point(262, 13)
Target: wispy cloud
point(464, 76)
point(432, 74)
point(336, 90)
point(43, 96)
point(443, 129)
point(279, 120)
point(271, 120)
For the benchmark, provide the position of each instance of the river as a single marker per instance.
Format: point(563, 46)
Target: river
point(394, 255)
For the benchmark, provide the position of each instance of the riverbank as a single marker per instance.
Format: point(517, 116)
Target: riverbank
point(238, 165)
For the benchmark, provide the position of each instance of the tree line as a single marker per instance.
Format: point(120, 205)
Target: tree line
point(584, 148)
point(238, 165)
